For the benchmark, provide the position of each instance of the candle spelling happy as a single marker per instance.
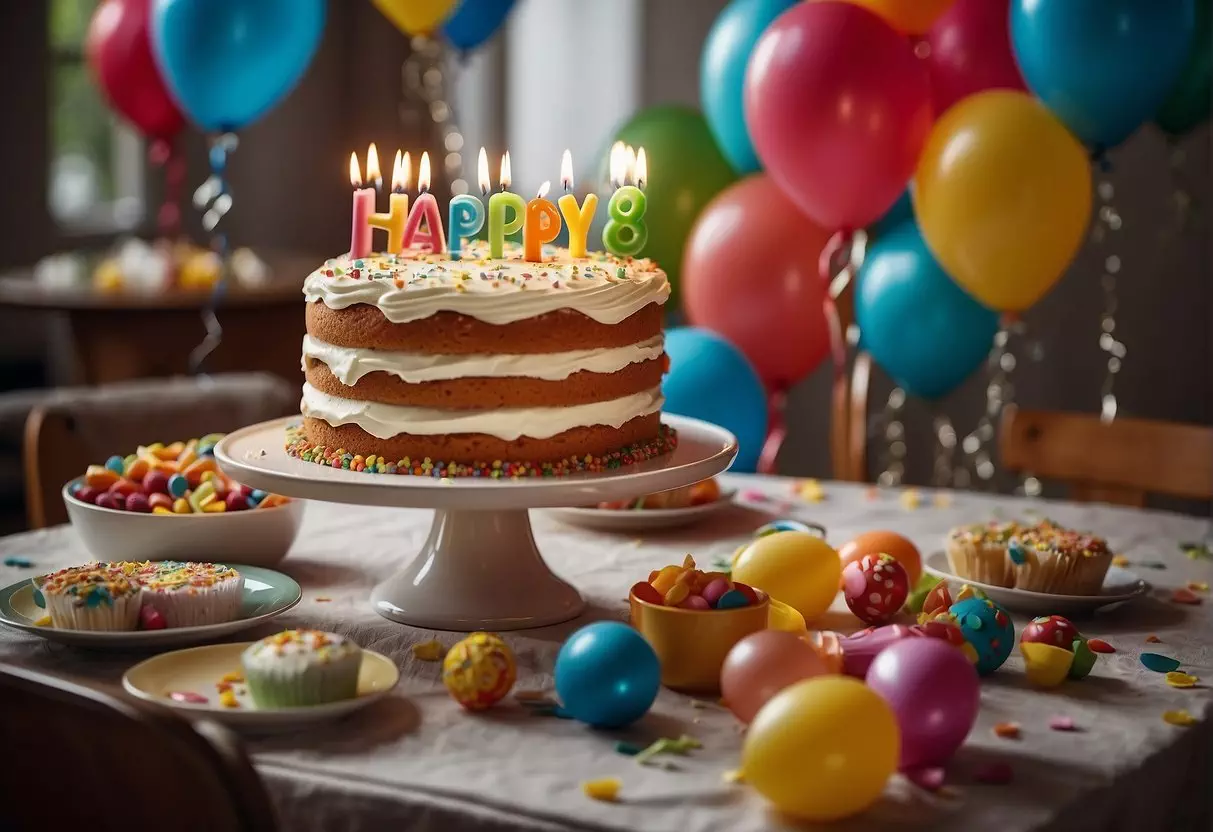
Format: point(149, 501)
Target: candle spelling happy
point(364, 203)
point(542, 225)
point(425, 208)
point(466, 211)
point(577, 218)
point(499, 226)
point(625, 233)
point(394, 221)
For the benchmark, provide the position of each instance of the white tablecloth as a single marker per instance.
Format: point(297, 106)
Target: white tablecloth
point(417, 761)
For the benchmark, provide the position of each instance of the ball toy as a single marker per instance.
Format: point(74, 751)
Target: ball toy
point(761, 665)
point(900, 547)
point(1050, 629)
point(479, 671)
point(797, 568)
point(988, 628)
point(875, 588)
point(607, 675)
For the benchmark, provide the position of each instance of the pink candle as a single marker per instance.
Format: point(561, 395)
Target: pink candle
point(364, 206)
point(425, 208)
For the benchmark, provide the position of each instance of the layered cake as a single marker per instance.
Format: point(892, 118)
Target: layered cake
point(425, 364)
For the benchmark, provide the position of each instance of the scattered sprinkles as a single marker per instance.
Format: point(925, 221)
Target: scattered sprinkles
point(811, 491)
point(322, 599)
point(734, 775)
point(1159, 663)
point(1178, 679)
point(188, 697)
point(942, 499)
point(1153, 639)
point(1197, 551)
point(429, 651)
point(1062, 723)
point(1007, 730)
point(19, 563)
point(1120, 560)
point(605, 789)
point(1183, 595)
point(1180, 717)
point(910, 499)
point(1198, 586)
point(1098, 645)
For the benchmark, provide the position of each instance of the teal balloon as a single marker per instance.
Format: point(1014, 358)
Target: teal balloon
point(1103, 67)
point(726, 52)
point(475, 21)
point(902, 211)
point(686, 169)
point(916, 323)
point(607, 675)
point(1188, 104)
point(710, 379)
point(227, 62)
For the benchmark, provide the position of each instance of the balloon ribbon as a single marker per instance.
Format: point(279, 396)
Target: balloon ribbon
point(215, 196)
point(777, 431)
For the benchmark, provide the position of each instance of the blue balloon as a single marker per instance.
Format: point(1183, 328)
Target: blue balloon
point(922, 328)
point(711, 379)
point(902, 211)
point(726, 52)
point(475, 21)
point(228, 61)
point(607, 675)
point(1104, 67)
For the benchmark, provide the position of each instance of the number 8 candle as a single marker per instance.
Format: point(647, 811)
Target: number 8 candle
point(467, 212)
point(499, 227)
point(625, 233)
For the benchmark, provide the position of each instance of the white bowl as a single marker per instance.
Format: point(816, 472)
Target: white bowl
point(258, 537)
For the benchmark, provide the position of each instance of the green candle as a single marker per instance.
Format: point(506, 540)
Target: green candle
point(499, 226)
point(625, 233)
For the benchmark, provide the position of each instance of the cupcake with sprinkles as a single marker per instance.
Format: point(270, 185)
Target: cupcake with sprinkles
point(979, 553)
point(98, 597)
point(189, 594)
point(1050, 558)
point(299, 668)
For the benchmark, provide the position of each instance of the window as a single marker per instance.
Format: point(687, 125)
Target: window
point(96, 176)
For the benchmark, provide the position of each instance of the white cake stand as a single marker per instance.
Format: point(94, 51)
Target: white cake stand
point(479, 569)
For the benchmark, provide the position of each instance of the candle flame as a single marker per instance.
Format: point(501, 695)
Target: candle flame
point(543, 189)
point(630, 166)
point(423, 172)
point(506, 179)
point(482, 171)
point(618, 165)
point(406, 170)
point(640, 175)
point(400, 179)
point(355, 172)
point(566, 170)
point(373, 173)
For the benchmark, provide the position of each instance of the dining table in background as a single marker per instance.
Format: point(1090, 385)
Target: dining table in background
point(417, 761)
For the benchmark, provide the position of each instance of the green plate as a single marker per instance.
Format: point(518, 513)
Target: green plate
point(267, 593)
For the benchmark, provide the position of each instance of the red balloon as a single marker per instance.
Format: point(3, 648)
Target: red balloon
point(119, 50)
point(750, 274)
point(971, 52)
point(838, 108)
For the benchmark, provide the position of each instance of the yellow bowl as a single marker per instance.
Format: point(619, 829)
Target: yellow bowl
point(692, 644)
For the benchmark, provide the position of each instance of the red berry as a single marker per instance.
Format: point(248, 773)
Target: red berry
point(236, 501)
point(155, 482)
point(138, 502)
point(151, 618)
point(875, 587)
point(87, 494)
point(108, 500)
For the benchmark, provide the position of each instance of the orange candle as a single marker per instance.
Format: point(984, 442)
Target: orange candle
point(541, 226)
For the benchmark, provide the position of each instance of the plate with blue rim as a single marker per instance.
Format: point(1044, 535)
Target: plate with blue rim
point(267, 593)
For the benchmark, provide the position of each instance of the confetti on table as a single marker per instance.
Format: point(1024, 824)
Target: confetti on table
point(627, 749)
point(1198, 586)
point(910, 499)
point(235, 677)
point(1153, 639)
point(1007, 730)
point(942, 499)
point(1120, 560)
point(752, 495)
point(605, 789)
point(429, 651)
point(1178, 718)
point(1098, 645)
point(322, 599)
point(994, 774)
point(1062, 723)
point(871, 493)
point(810, 491)
point(668, 745)
point(1152, 564)
point(188, 696)
point(1184, 595)
point(44, 621)
point(928, 778)
point(1179, 679)
point(1159, 663)
point(1197, 551)
point(227, 699)
point(735, 775)
point(20, 563)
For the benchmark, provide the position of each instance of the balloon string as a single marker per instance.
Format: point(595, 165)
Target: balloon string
point(834, 269)
point(166, 154)
point(215, 196)
point(777, 431)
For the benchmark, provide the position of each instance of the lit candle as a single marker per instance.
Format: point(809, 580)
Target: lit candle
point(499, 226)
point(364, 206)
point(542, 225)
point(425, 208)
point(577, 218)
point(626, 233)
point(467, 212)
point(394, 221)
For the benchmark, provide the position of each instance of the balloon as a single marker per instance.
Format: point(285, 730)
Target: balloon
point(761, 665)
point(119, 51)
point(1002, 196)
point(822, 749)
point(917, 324)
point(910, 17)
point(607, 675)
point(475, 21)
point(970, 51)
point(722, 75)
point(901, 548)
point(902, 211)
point(710, 379)
point(686, 170)
point(1103, 67)
point(228, 61)
point(935, 694)
point(838, 107)
point(1188, 103)
point(416, 17)
point(797, 568)
point(750, 273)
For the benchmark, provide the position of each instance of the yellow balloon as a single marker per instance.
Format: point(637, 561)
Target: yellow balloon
point(798, 568)
point(910, 17)
point(822, 749)
point(1002, 195)
point(416, 17)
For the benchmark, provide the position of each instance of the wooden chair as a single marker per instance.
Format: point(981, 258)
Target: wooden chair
point(89, 760)
point(1118, 463)
point(76, 427)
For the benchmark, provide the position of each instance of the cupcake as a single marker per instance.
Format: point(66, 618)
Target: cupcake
point(1050, 558)
point(189, 594)
point(297, 668)
point(96, 597)
point(979, 553)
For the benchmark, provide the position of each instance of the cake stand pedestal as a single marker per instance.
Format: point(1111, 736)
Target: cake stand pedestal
point(479, 569)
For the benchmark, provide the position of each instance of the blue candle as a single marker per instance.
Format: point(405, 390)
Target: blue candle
point(466, 219)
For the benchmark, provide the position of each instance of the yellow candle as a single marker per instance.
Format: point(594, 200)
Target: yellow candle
point(542, 225)
point(394, 221)
point(577, 218)
point(499, 226)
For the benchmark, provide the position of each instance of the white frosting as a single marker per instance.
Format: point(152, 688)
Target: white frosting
point(298, 654)
point(413, 286)
point(387, 420)
point(349, 364)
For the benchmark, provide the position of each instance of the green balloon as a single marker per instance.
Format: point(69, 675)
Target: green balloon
point(686, 169)
point(1188, 104)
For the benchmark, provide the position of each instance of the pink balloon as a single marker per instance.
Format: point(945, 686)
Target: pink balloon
point(750, 274)
point(934, 692)
point(971, 52)
point(761, 665)
point(838, 108)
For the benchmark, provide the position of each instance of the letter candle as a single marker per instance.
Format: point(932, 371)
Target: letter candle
point(394, 221)
point(363, 206)
point(499, 226)
point(542, 225)
point(466, 211)
point(578, 219)
point(425, 208)
point(625, 233)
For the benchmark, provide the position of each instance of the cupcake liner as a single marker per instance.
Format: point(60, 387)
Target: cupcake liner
point(1059, 574)
point(295, 684)
point(112, 614)
point(983, 563)
point(198, 606)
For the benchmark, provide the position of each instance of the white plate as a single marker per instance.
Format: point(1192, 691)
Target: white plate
point(639, 519)
point(1119, 585)
point(267, 594)
point(198, 669)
